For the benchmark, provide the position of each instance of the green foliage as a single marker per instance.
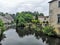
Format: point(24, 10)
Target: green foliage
point(2, 26)
point(28, 17)
point(23, 18)
point(48, 30)
point(21, 21)
point(35, 21)
point(41, 14)
point(2, 14)
point(37, 13)
point(36, 17)
point(1, 23)
point(32, 13)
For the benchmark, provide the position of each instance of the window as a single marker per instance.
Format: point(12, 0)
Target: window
point(58, 18)
point(59, 4)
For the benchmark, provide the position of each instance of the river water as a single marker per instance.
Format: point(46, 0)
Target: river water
point(22, 38)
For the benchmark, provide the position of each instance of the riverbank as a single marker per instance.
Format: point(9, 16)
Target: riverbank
point(39, 32)
point(10, 25)
point(24, 38)
point(7, 27)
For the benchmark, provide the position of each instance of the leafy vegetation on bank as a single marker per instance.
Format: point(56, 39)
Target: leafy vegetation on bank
point(1, 25)
point(2, 28)
point(26, 19)
point(49, 30)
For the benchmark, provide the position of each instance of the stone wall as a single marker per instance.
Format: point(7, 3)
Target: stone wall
point(54, 10)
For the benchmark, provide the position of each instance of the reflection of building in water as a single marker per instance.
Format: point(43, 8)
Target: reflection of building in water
point(38, 36)
point(54, 15)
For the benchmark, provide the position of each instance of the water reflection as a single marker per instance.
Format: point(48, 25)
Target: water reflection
point(0, 44)
point(39, 35)
point(48, 40)
point(1, 38)
point(27, 37)
point(24, 32)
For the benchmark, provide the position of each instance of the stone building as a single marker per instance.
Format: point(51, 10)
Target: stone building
point(54, 14)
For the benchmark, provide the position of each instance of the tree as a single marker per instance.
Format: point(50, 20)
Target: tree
point(36, 17)
point(36, 13)
point(28, 17)
point(2, 14)
point(41, 14)
point(22, 18)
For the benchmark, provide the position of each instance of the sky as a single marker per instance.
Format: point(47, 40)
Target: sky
point(13, 6)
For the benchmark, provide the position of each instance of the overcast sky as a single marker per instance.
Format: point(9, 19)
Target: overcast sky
point(13, 6)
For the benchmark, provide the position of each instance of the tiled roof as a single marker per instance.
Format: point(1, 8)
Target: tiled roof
point(52, 1)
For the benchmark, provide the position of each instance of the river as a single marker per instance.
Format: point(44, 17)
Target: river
point(15, 38)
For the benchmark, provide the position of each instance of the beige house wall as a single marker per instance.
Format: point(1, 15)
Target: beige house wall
point(54, 10)
point(41, 19)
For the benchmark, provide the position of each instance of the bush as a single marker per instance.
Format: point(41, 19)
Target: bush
point(23, 18)
point(49, 30)
point(35, 21)
point(2, 28)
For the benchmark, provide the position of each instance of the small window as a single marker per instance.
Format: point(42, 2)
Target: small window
point(59, 4)
point(58, 18)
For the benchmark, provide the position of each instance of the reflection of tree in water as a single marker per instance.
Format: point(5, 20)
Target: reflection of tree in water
point(48, 40)
point(24, 32)
point(53, 41)
point(2, 37)
point(0, 44)
point(38, 35)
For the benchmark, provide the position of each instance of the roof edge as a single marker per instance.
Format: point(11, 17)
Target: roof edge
point(52, 1)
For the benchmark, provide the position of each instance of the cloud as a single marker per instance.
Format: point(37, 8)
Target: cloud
point(13, 6)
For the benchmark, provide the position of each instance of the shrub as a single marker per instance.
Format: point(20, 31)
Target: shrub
point(2, 28)
point(35, 21)
point(49, 30)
